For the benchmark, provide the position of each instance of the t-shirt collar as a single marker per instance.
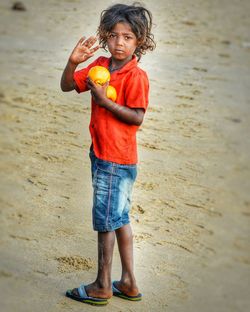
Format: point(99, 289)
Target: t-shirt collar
point(131, 64)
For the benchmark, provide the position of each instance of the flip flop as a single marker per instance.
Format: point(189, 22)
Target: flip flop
point(83, 297)
point(118, 293)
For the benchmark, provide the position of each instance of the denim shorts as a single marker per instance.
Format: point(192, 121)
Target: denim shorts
point(112, 190)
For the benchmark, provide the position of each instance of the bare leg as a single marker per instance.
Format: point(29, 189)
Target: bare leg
point(101, 287)
point(127, 284)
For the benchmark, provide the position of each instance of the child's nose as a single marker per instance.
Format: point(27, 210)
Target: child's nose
point(119, 40)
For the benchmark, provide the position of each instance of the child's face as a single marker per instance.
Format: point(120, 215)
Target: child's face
point(122, 42)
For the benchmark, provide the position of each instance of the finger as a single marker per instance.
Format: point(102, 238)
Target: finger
point(90, 41)
point(89, 86)
point(90, 83)
point(93, 94)
point(94, 49)
point(81, 40)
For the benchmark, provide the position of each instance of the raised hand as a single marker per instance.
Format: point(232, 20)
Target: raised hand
point(83, 50)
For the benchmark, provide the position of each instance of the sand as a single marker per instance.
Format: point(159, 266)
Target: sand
point(190, 212)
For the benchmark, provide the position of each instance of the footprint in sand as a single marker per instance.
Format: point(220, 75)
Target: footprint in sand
point(214, 78)
point(65, 231)
point(147, 186)
point(200, 69)
point(184, 105)
point(210, 232)
point(19, 217)
point(178, 245)
point(183, 83)
point(185, 97)
point(188, 23)
point(74, 263)
point(33, 179)
point(204, 250)
point(54, 158)
point(196, 92)
point(171, 42)
point(154, 109)
point(41, 272)
point(23, 238)
point(175, 219)
point(141, 237)
point(151, 146)
point(203, 206)
point(138, 209)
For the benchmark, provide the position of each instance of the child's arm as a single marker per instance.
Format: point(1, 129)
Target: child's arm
point(81, 53)
point(132, 116)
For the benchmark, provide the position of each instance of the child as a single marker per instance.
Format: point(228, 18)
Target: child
point(126, 31)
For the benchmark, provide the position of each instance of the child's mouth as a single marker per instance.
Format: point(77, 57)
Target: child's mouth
point(118, 51)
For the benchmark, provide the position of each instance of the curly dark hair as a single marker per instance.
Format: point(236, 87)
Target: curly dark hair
point(139, 19)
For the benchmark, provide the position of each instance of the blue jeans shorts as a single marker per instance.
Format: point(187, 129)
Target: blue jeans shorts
point(112, 189)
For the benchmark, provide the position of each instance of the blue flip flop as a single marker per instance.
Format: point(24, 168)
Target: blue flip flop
point(118, 293)
point(83, 297)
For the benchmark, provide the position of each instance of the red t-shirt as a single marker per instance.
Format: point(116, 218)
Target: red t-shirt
point(114, 140)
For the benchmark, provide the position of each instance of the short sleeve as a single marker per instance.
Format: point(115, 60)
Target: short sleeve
point(137, 90)
point(80, 77)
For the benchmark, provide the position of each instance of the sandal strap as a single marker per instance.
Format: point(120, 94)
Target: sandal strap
point(82, 291)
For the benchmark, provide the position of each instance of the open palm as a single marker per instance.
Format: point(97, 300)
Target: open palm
point(83, 50)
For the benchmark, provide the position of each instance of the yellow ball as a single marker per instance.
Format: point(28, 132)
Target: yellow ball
point(99, 74)
point(111, 93)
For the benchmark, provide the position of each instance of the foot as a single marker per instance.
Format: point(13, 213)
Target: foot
point(128, 289)
point(94, 290)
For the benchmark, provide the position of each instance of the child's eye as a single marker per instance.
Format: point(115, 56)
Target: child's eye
point(111, 35)
point(128, 37)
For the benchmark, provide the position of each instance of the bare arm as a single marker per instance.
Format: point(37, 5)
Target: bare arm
point(80, 54)
point(131, 116)
point(67, 81)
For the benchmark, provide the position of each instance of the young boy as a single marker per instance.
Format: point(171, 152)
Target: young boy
point(126, 31)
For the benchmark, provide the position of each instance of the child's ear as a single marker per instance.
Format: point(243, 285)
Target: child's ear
point(139, 42)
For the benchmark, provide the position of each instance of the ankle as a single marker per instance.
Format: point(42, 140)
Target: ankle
point(103, 283)
point(128, 287)
point(129, 283)
point(128, 279)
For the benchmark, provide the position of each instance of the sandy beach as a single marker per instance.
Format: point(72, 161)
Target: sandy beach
point(191, 202)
